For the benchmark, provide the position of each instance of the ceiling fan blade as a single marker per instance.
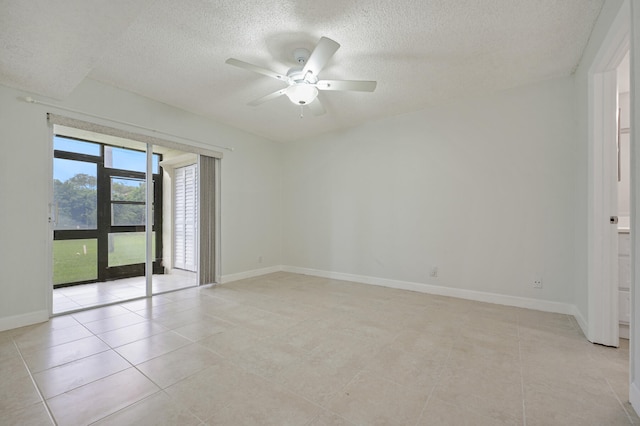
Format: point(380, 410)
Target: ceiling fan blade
point(255, 68)
point(316, 107)
point(320, 56)
point(352, 85)
point(269, 97)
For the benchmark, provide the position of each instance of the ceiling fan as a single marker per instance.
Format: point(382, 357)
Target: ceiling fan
point(302, 82)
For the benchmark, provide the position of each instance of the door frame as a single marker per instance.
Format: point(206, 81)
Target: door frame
point(602, 286)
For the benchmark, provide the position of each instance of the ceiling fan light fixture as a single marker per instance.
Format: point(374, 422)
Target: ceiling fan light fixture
point(301, 93)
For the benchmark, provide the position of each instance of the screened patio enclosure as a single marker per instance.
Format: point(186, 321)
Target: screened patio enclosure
point(101, 234)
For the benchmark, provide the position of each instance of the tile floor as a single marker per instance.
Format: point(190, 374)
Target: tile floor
point(72, 298)
point(286, 349)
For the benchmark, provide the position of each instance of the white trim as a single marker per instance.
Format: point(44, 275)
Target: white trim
point(8, 323)
point(148, 221)
point(580, 319)
point(139, 129)
point(479, 296)
point(249, 274)
point(634, 397)
point(602, 324)
point(49, 240)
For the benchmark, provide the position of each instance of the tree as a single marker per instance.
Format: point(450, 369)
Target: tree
point(77, 200)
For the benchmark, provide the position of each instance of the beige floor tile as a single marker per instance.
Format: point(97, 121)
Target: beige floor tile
point(414, 369)
point(157, 409)
point(494, 393)
point(112, 323)
point(199, 330)
point(323, 372)
point(257, 320)
point(283, 348)
point(131, 333)
point(435, 346)
point(365, 328)
point(371, 400)
point(306, 335)
point(267, 358)
point(214, 388)
point(479, 324)
point(8, 349)
point(172, 320)
point(230, 342)
point(438, 412)
point(69, 376)
point(470, 357)
point(39, 360)
point(16, 387)
point(170, 368)
point(99, 313)
point(327, 418)
point(298, 311)
point(32, 415)
point(101, 398)
point(151, 347)
point(555, 413)
point(265, 404)
point(44, 337)
point(546, 401)
point(486, 344)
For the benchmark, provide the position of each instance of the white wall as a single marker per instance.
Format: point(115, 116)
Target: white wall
point(250, 189)
point(482, 188)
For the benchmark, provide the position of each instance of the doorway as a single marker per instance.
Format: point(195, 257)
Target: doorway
point(185, 226)
point(603, 325)
point(99, 221)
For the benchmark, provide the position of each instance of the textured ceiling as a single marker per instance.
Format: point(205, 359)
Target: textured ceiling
point(421, 52)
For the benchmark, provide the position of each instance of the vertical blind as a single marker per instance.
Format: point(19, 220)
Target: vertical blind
point(207, 216)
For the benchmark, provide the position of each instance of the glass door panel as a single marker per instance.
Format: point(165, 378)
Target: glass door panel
point(75, 194)
point(99, 247)
point(75, 261)
point(128, 248)
point(75, 197)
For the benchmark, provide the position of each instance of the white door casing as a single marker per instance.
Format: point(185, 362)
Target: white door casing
point(602, 235)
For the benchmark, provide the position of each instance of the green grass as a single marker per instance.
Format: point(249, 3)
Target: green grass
point(77, 260)
point(129, 248)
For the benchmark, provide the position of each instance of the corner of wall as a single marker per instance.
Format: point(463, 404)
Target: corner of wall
point(249, 274)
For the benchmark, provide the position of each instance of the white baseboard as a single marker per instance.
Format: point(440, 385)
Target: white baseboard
point(16, 321)
point(580, 319)
point(249, 274)
point(480, 296)
point(634, 397)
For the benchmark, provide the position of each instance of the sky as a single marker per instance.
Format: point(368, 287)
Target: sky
point(121, 158)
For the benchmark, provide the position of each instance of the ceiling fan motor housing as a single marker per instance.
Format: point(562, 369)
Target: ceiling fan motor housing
point(301, 55)
point(297, 76)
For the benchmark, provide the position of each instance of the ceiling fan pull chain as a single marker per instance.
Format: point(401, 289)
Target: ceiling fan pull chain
point(301, 111)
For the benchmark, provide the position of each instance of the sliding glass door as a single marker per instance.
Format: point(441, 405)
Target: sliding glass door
point(129, 218)
point(99, 232)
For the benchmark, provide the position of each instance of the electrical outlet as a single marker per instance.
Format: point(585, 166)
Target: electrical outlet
point(537, 283)
point(434, 272)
